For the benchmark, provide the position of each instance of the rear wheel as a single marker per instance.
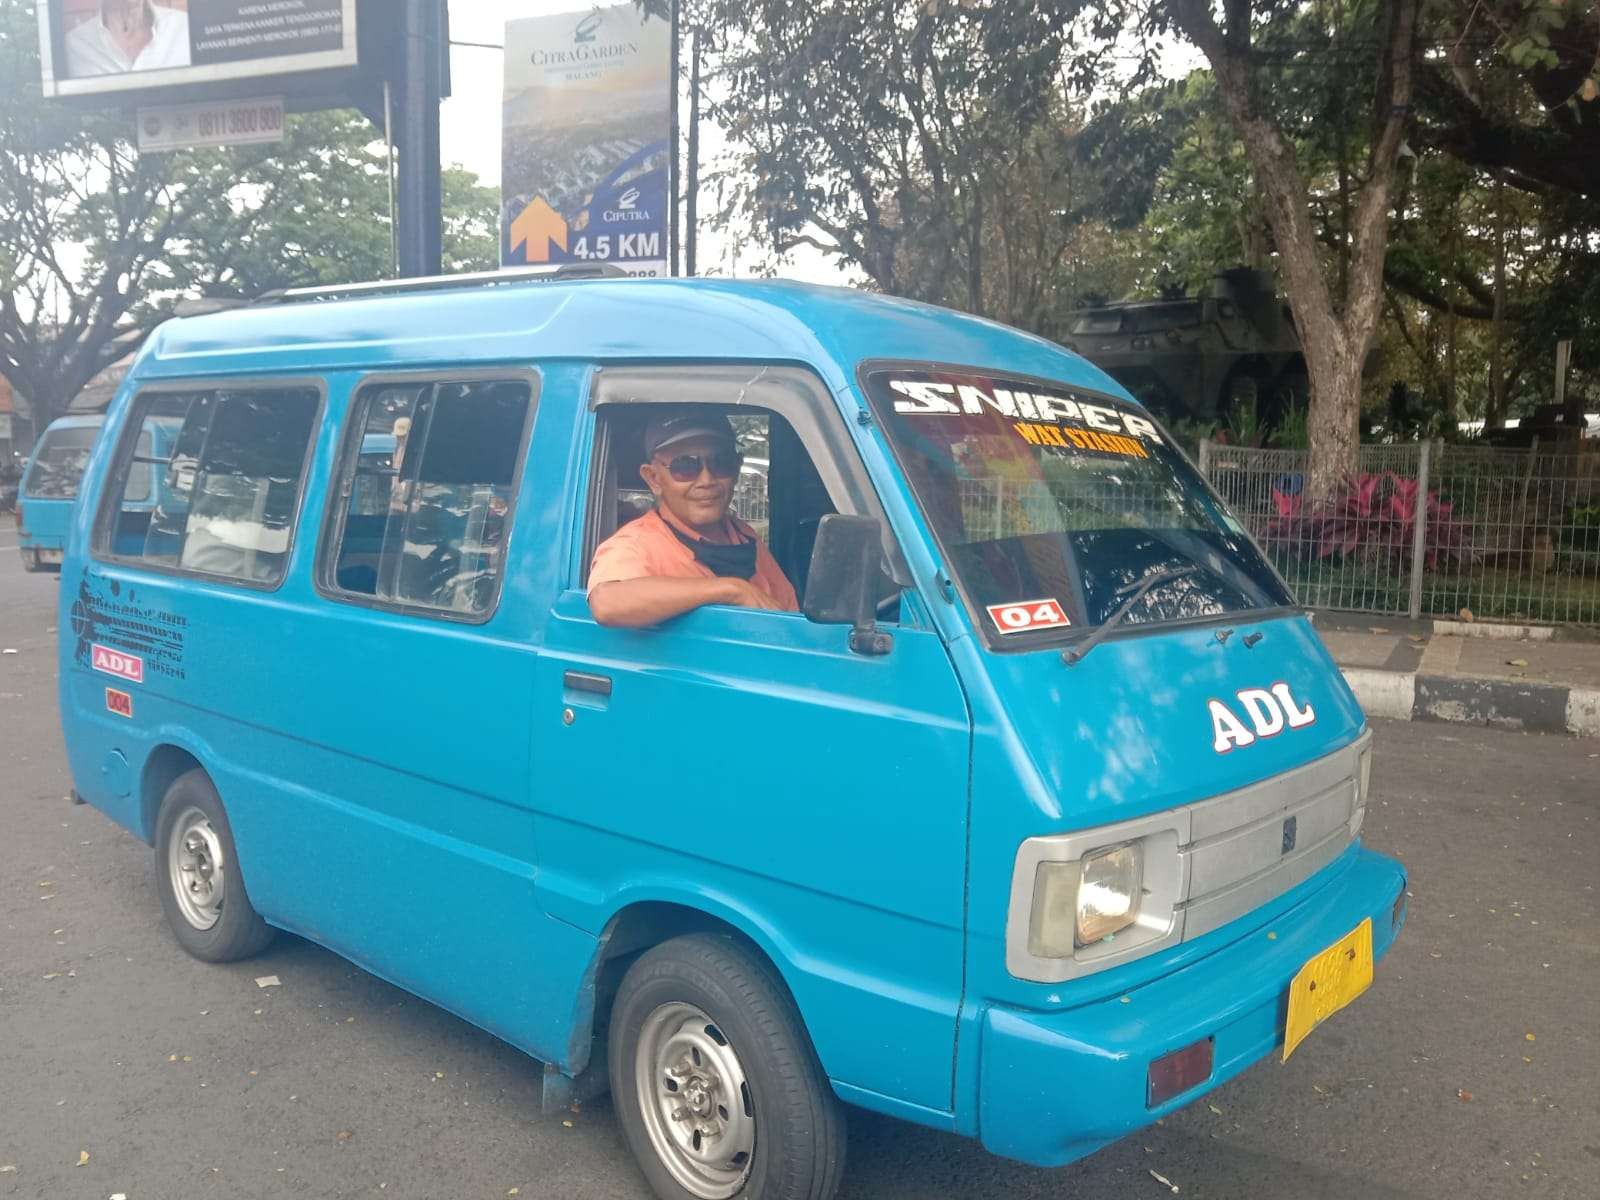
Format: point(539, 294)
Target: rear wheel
point(198, 877)
point(716, 1084)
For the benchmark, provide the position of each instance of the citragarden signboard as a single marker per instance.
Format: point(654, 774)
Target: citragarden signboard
point(87, 47)
point(584, 168)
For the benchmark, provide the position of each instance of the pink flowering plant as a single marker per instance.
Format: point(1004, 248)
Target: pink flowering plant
point(1370, 518)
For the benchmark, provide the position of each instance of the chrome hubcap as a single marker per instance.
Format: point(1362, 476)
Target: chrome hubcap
point(196, 869)
point(695, 1101)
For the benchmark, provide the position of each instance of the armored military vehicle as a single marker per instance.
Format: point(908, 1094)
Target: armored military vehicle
point(1198, 356)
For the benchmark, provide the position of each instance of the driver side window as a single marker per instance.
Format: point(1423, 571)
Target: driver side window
point(778, 491)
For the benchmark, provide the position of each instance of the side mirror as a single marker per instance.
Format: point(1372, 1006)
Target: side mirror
point(846, 579)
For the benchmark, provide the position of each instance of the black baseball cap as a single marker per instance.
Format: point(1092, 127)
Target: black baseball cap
point(682, 424)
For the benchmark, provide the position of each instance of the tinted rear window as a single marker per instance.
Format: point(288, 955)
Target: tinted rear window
point(59, 462)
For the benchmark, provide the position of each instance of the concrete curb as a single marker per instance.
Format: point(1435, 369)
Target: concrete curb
point(1504, 703)
point(1494, 629)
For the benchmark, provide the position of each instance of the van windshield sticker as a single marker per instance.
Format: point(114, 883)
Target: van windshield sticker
point(1042, 418)
point(1028, 614)
point(1069, 438)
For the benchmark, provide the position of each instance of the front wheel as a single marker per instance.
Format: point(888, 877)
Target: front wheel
point(715, 1082)
point(197, 874)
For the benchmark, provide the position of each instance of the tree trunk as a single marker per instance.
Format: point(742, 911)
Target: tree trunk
point(1333, 422)
point(975, 254)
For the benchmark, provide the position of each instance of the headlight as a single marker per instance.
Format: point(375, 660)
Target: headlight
point(1080, 903)
point(1363, 787)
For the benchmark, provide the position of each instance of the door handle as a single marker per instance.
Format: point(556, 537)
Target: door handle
point(583, 681)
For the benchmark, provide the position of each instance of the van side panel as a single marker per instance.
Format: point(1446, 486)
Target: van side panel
point(374, 764)
point(747, 763)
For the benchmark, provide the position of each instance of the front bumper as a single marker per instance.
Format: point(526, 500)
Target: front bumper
point(1057, 1086)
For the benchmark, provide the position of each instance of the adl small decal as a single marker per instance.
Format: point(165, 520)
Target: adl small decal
point(115, 662)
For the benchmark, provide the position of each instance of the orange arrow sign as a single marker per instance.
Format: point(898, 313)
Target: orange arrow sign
point(537, 226)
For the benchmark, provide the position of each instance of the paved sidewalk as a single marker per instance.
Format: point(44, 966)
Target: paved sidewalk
point(1533, 678)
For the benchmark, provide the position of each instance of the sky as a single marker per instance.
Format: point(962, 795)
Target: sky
point(469, 129)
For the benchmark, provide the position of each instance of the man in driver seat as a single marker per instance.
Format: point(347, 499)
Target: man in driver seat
point(687, 551)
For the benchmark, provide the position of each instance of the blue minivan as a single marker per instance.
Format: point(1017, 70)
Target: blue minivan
point(1040, 820)
point(50, 486)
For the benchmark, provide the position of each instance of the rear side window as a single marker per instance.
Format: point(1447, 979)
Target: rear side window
point(213, 482)
point(425, 494)
point(59, 462)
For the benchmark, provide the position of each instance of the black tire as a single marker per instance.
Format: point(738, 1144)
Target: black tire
point(799, 1123)
point(237, 930)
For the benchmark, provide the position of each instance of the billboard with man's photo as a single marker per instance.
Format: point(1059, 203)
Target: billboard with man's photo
point(93, 46)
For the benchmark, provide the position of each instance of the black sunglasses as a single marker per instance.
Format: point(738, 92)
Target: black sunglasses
point(723, 464)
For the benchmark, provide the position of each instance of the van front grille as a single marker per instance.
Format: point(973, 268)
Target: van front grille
point(1206, 863)
point(1249, 846)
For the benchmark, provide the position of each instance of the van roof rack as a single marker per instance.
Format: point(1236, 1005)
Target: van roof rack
point(428, 283)
point(203, 306)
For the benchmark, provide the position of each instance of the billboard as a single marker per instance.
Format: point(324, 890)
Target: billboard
point(87, 47)
point(585, 127)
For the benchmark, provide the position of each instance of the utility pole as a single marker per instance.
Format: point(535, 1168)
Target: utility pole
point(674, 178)
point(424, 30)
point(691, 201)
point(1496, 414)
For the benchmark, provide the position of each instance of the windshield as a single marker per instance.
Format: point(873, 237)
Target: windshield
point(59, 462)
point(1052, 505)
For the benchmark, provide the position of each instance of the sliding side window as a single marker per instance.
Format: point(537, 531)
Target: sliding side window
point(212, 482)
point(426, 492)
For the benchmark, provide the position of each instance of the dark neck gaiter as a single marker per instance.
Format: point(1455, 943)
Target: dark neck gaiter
point(738, 559)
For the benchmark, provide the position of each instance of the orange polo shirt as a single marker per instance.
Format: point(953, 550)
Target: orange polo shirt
point(646, 548)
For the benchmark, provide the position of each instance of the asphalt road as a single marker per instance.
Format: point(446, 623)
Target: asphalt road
point(1470, 1069)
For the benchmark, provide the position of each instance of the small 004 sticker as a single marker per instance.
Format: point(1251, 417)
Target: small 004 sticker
point(119, 702)
point(1026, 615)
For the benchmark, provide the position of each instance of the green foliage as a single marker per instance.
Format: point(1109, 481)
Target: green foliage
point(97, 242)
point(314, 210)
point(1244, 423)
point(1293, 432)
point(1190, 432)
point(1203, 212)
point(931, 144)
point(885, 133)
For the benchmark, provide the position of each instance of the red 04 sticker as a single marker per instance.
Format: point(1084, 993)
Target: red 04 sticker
point(1026, 615)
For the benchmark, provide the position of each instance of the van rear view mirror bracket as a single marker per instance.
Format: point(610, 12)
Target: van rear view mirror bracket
point(847, 578)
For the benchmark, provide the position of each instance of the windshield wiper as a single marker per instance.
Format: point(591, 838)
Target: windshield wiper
point(1073, 655)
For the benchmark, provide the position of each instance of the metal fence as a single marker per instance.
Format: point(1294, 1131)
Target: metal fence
point(1429, 529)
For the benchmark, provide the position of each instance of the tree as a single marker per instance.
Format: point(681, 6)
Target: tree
point(97, 242)
point(1514, 87)
point(875, 130)
point(888, 131)
point(83, 226)
point(1336, 324)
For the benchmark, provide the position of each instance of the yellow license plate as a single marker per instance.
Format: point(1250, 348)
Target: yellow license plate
point(1327, 983)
